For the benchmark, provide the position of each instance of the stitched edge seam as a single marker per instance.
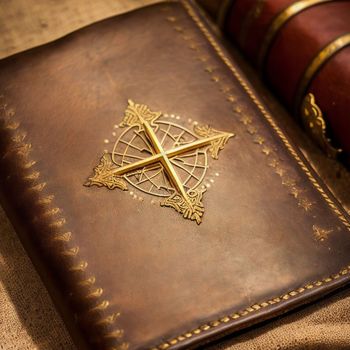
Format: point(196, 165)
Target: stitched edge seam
point(247, 311)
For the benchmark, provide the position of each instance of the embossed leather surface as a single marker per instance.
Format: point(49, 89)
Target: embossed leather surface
point(271, 238)
point(292, 50)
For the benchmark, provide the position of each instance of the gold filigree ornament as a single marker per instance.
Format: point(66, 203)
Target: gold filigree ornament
point(160, 158)
point(315, 125)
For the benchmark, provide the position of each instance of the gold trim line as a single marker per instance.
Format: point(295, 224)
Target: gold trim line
point(279, 21)
point(319, 60)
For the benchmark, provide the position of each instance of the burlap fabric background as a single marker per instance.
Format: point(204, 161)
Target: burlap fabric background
point(28, 320)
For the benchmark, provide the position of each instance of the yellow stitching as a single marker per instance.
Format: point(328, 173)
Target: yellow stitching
point(255, 307)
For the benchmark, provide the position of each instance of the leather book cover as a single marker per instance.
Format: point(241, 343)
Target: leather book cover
point(156, 194)
point(300, 47)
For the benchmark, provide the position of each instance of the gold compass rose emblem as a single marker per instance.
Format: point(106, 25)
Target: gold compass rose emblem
point(160, 158)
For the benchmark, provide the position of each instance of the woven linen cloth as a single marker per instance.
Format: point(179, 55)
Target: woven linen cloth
point(28, 319)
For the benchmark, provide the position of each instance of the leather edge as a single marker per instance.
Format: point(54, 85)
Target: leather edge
point(33, 210)
point(291, 299)
point(256, 313)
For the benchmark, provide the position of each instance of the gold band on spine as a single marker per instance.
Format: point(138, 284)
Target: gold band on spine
point(320, 59)
point(279, 22)
point(222, 13)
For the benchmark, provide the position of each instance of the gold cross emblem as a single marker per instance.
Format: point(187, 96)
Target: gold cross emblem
point(160, 158)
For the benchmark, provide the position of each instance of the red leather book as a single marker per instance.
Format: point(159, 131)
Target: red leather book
point(300, 47)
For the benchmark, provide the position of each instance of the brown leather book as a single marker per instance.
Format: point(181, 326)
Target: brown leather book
point(156, 194)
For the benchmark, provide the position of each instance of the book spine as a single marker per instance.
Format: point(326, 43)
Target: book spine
point(45, 234)
point(299, 47)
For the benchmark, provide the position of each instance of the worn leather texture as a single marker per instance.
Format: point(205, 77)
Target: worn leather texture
point(292, 50)
point(258, 252)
